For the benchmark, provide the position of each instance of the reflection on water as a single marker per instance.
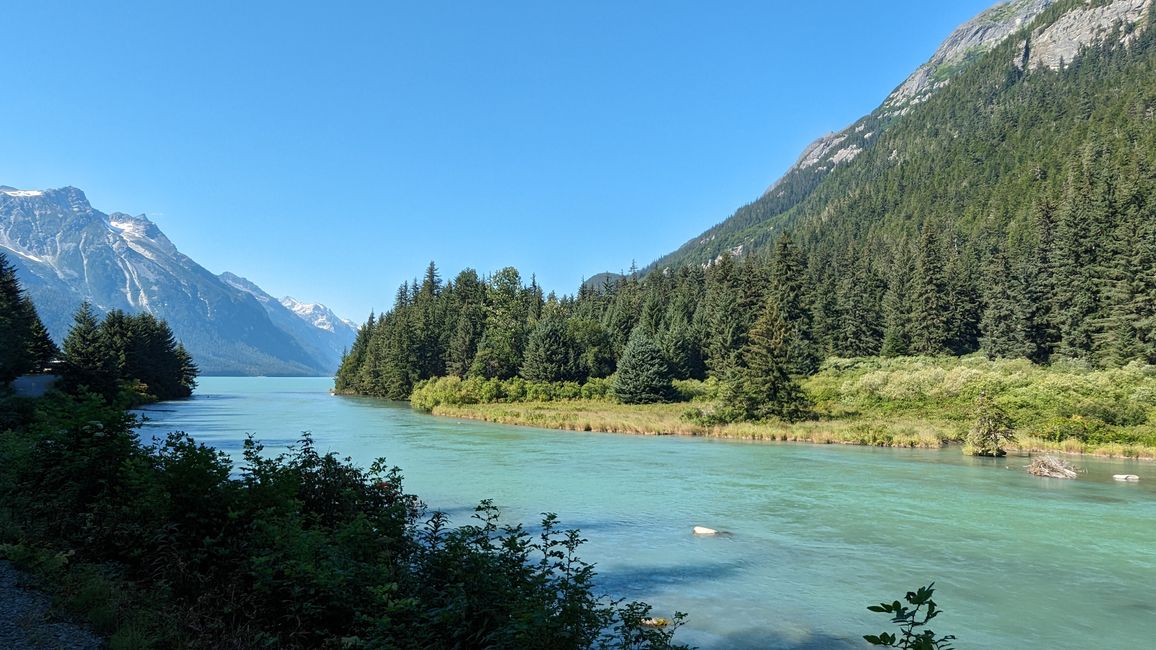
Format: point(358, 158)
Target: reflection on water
point(820, 532)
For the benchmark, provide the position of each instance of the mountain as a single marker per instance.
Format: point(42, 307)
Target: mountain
point(988, 77)
point(67, 252)
point(314, 326)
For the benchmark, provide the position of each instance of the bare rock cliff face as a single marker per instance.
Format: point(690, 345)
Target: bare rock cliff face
point(1058, 44)
point(976, 36)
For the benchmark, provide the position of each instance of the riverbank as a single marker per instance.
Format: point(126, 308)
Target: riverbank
point(603, 417)
point(906, 402)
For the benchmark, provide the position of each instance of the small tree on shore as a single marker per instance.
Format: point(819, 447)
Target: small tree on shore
point(762, 387)
point(644, 376)
point(992, 429)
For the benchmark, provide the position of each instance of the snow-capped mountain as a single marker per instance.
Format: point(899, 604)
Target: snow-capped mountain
point(320, 316)
point(66, 252)
point(316, 327)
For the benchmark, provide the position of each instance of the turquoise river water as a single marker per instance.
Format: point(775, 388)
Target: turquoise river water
point(819, 532)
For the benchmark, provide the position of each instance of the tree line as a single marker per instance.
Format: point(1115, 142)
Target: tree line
point(1012, 214)
point(134, 357)
point(1077, 282)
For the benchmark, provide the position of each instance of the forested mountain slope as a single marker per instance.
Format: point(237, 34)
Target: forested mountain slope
point(994, 118)
point(1011, 211)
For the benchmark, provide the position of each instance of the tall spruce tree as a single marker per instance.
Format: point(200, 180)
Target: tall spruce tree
point(929, 333)
point(1005, 325)
point(24, 344)
point(788, 290)
point(550, 352)
point(644, 376)
point(762, 387)
point(89, 361)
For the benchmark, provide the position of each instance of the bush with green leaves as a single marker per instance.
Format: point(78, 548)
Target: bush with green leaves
point(991, 431)
point(295, 550)
point(908, 618)
point(455, 391)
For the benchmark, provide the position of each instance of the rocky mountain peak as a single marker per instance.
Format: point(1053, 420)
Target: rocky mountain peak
point(317, 315)
point(976, 36)
point(66, 252)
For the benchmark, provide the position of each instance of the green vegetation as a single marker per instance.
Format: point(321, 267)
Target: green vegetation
point(169, 545)
point(991, 431)
point(25, 345)
point(907, 617)
point(904, 402)
point(137, 353)
point(644, 375)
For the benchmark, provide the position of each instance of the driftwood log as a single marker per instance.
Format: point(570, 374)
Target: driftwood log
point(1051, 467)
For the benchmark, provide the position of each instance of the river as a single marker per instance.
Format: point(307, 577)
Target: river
point(818, 532)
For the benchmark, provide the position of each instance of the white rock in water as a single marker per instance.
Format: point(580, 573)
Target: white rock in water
point(1126, 477)
point(703, 530)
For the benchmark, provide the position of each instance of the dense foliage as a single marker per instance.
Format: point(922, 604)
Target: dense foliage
point(138, 352)
point(168, 545)
point(1012, 214)
point(296, 550)
point(24, 343)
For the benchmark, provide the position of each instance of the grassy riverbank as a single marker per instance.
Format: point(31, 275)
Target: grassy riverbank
point(905, 402)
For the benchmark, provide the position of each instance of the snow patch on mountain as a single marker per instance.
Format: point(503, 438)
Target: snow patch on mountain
point(317, 314)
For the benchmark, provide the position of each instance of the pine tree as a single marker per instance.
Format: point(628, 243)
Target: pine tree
point(723, 318)
point(1005, 325)
point(550, 352)
point(788, 290)
point(762, 387)
point(89, 360)
point(24, 345)
point(643, 376)
point(929, 297)
point(897, 310)
point(858, 303)
point(345, 381)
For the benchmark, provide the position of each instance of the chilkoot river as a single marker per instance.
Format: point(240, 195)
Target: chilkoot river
point(818, 532)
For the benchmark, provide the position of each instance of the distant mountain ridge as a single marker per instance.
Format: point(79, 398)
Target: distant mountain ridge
point(67, 252)
point(1039, 35)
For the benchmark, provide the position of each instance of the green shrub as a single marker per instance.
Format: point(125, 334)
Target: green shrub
point(454, 391)
point(294, 550)
point(907, 617)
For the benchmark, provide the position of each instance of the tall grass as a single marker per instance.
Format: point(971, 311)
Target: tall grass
point(907, 401)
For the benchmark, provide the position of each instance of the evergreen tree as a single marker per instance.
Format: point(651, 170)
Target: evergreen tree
point(858, 303)
point(1005, 325)
point(345, 381)
point(762, 387)
point(643, 376)
point(88, 359)
point(25, 345)
point(929, 297)
point(788, 291)
point(550, 352)
point(897, 310)
point(723, 318)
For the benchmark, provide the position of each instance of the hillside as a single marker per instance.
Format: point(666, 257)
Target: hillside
point(986, 127)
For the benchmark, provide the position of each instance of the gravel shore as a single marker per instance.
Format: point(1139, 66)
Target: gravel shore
point(26, 621)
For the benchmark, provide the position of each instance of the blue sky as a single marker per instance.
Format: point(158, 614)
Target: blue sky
point(329, 151)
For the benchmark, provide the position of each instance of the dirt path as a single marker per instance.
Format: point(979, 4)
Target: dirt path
point(26, 621)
